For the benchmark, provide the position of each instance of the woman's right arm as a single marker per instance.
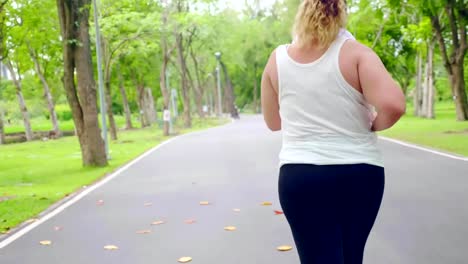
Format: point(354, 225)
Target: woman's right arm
point(380, 90)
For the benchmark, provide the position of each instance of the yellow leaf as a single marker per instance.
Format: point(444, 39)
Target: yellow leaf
point(111, 247)
point(267, 203)
point(157, 223)
point(204, 203)
point(46, 243)
point(32, 220)
point(285, 248)
point(143, 232)
point(230, 228)
point(185, 259)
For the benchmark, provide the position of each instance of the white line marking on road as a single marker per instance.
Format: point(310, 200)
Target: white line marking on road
point(89, 189)
point(424, 149)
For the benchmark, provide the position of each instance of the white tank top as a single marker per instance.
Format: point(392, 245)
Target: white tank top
point(325, 121)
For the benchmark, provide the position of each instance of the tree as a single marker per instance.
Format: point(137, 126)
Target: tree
point(74, 22)
point(16, 77)
point(453, 48)
point(2, 56)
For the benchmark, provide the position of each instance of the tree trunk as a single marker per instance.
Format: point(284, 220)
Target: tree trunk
point(430, 82)
point(417, 94)
point(107, 88)
point(454, 63)
point(150, 111)
point(198, 88)
point(21, 102)
point(230, 98)
point(2, 131)
point(184, 81)
point(256, 106)
point(128, 113)
point(74, 22)
point(141, 104)
point(165, 62)
point(458, 82)
point(47, 94)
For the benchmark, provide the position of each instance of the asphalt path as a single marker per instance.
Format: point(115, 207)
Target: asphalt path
point(423, 218)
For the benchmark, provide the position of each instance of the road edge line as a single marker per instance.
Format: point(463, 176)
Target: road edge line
point(409, 145)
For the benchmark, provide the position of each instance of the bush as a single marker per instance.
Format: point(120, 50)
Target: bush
point(64, 112)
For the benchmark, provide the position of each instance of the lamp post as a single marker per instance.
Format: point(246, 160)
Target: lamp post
point(218, 76)
point(101, 80)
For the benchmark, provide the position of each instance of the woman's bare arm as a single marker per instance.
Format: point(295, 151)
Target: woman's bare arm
point(380, 89)
point(270, 104)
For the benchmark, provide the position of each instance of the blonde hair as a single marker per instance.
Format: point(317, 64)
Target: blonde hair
point(319, 22)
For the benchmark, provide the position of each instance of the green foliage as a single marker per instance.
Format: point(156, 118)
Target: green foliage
point(64, 112)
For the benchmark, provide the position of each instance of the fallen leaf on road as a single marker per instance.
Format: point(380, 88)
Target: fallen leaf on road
point(46, 243)
point(143, 232)
point(237, 210)
point(230, 228)
point(278, 212)
point(185, 259)
point(267, 203)
point(285, 248)
point(190, 221)
point(111, 247)
point(204, 203)
point(157, 223)
point(32, 220)
point(58, 228)
point(100, 202)
point(148, 204)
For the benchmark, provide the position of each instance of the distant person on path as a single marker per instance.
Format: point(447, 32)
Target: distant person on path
point(321, 92)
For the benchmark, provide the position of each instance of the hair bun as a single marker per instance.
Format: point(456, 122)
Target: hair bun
point(331, 7)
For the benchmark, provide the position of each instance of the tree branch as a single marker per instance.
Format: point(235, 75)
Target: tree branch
point(443, 48)
point(449, 8)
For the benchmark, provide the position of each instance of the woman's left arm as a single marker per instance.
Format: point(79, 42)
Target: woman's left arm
point(270, 102)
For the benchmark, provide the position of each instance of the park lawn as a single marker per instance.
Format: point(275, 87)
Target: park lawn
point(37, 174)
point(443, 133)
point(43, 124)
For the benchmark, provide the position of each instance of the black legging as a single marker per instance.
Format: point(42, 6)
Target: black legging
point(331, 209)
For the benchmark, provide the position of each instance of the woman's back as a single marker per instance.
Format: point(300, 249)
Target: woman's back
point(325, 120)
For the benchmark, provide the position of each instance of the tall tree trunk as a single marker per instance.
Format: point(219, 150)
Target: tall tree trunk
point(150, 111)
point(123, 93)
point(47, 93)
point(166, 56)
point(458, 82)
point(417, 94)
point(256, 106)
point(230, 98)
point(107, 86)
point(184, 81)
point(74, 22)
point(430, 81)
point(198, 89)
point(2, 131)
point(454, 64)
point(21, 102)
point(141, 102)
point(110, 114)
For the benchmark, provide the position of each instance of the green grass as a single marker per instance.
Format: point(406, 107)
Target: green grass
point(42, 124)
point(443, 133)
point(38, 174)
